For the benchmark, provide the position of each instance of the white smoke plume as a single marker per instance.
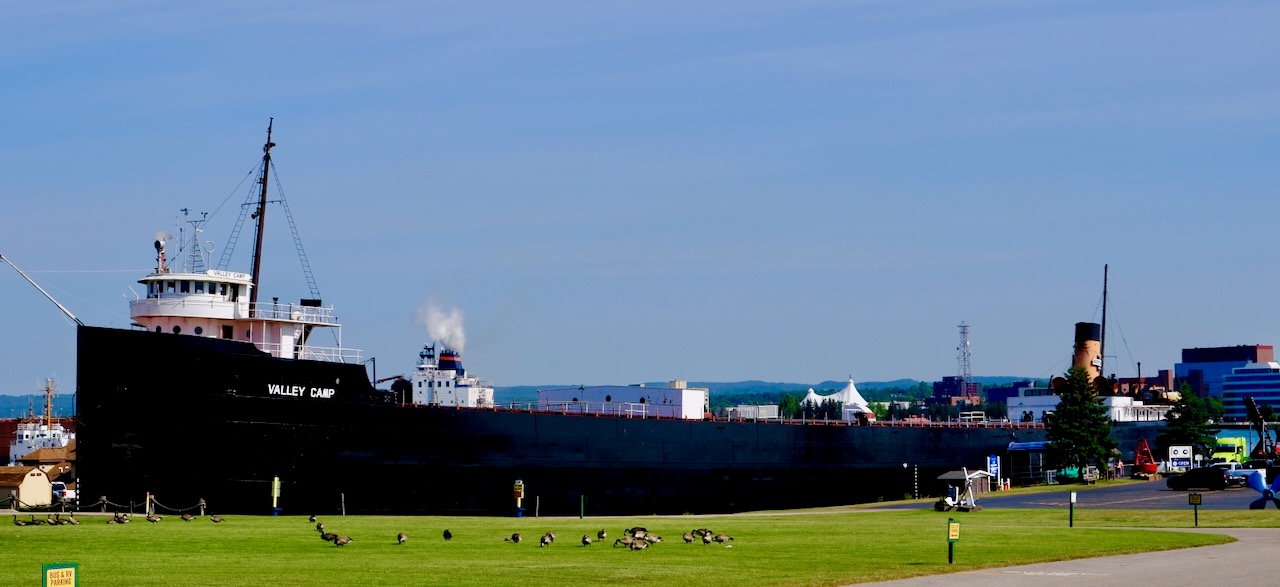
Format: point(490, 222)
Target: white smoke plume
point(443, 327)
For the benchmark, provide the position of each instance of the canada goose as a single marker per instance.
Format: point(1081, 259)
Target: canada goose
point(448, 535)
point(341, 540)
point(312, 518)
point(706, 539)
point(17, 522)
point(551, 535)
point(319, 526)
point(639, 545)
point(652, 538)
point(514, 538)
point(34, 521)
point(586, 540)
point(639, 534)
point(215, 519)
point(401, 538)
point(722, 538)
point(187, 517)
point(328, 537)
point(71, 519)
point(625, 541)
point(50, 521)
point(154, 518)
point(546, 539)
point(632, 531)
point(601, 535)
point(688, 538)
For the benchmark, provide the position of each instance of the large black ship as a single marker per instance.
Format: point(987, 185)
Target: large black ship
point(214, 395)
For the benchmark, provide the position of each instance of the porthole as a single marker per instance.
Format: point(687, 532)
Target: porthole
point(177, 330)
point(158, 329)
point(199, 330)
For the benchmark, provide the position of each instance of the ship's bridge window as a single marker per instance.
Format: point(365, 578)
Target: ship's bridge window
point(185, 286)
point(199, 289)
point(222, 289)
point(151, 289)
point(169, 287)
point(235, 292)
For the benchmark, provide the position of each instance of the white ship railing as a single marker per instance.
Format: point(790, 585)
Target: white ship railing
point(294, 313)
point(315, 353)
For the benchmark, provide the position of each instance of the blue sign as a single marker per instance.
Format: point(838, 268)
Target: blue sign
point(993, 465)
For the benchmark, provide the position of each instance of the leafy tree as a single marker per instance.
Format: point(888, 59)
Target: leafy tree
point(1214, 407)
point(1079, 429)
point(941, 412)
point(1188, 424)
point(995, 410)
point(789, 406)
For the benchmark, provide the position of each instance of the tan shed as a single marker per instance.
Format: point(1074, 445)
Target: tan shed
point(29, 484)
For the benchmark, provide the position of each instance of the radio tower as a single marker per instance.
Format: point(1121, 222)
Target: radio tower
point(962, 360)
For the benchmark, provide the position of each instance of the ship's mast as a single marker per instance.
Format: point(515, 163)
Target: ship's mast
point(259, 216)
point(1102, 344)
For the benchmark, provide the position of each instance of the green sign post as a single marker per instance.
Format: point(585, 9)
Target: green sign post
point(953, 534)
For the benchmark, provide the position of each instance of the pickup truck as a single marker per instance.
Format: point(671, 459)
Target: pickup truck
point(61, 493)
point(1237, 474)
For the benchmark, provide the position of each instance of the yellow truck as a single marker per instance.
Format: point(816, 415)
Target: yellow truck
point(1230, 449)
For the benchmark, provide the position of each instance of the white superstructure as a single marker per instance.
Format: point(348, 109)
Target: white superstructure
point(441, 381)
point(216, 304)
point(34, 433)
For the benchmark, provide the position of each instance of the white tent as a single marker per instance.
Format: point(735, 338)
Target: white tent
point(853, 401)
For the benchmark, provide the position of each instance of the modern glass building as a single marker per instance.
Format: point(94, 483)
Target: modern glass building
point(1259, 380)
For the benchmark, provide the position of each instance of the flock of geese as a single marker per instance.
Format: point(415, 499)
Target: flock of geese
point(116, 518)
point(636, 538)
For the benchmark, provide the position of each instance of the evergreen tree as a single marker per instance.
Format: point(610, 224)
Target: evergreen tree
point(1079, 429)
point(1188, 424)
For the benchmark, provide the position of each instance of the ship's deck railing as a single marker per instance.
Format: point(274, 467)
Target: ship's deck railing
point(637, 410)
point(315, 353)
point(294, 312)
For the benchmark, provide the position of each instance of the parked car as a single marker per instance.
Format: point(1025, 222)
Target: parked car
point(1211, 478)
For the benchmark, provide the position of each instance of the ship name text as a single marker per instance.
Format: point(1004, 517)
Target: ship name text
point(300, 391)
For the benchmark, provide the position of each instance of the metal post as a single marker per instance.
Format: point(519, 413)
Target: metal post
point(343, 498)
point(582, 507)
point(915, 487)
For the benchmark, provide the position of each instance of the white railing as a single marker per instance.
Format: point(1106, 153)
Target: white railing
point(315, 353)
point(294, 313)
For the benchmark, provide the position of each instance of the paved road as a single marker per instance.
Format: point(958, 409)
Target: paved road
point(1250, 561)
point(1148, 495)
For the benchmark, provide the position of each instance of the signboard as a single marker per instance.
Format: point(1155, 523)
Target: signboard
point(953, 529)
point(1193, 499)
point(519, 488)
point(1180, 457)
point(61, 575)
point(993, 466)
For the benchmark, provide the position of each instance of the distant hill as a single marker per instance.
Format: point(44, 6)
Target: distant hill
point(16, 406)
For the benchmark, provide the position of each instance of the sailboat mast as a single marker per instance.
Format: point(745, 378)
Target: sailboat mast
point(1102, 344)
point(260, 215)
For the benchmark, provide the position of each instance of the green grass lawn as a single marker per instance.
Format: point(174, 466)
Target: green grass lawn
point(785, 548)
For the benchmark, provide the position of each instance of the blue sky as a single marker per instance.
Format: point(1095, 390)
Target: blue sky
point(617, 192)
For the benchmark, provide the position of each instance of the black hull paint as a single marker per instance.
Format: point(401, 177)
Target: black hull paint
point(187, 418)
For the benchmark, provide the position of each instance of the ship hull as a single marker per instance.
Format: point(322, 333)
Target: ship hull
point(186, 418)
